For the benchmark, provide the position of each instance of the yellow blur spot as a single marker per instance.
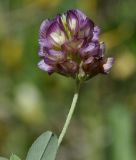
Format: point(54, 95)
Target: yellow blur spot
point(125, 65)
point(11, 53)
point(88, 6)
point(42, 3)
point(50, 3)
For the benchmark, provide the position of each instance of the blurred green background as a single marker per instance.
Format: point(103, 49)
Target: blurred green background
point(31, 102)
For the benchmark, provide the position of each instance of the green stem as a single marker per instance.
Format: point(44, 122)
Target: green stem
point(69, 116)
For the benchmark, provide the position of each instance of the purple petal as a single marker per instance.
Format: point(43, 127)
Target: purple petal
point(96, 33)
point(45, 67)
point(43, 31)
point(86, 29)
point(55, 34)
point(61, 19)
point(43, 28)
point(54, 57)
point(72, 46)
point(42, 51)
point(108, 65)
point(85, 24)
point(92, 49)
point(72, 22)
point(81, 16)
point(89, 60)
point(88, 48)
point(58, 55)
point(69, 68)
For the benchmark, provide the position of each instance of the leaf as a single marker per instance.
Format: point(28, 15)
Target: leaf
point(3, 158)
point(44, 148)
point(14, 157)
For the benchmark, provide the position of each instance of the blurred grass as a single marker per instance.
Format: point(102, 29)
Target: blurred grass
point(103, 127)
point(121, 133)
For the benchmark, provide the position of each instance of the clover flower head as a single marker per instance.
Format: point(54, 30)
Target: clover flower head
point(69, 45)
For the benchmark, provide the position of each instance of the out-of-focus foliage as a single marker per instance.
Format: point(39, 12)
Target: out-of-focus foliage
point(31, 102)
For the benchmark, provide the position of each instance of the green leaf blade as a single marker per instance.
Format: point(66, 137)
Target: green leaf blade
point(51, 150)
point(44, 148)
point(14, 157)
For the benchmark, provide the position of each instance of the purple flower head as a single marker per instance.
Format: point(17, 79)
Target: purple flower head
point(69, 45)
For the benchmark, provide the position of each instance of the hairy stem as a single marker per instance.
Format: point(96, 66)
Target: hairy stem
point(69, 116)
